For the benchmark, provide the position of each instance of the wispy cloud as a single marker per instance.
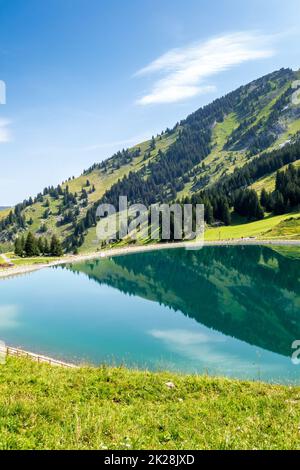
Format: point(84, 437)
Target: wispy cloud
point(5, 134)
point(9, 316)
point(183, 72)
point(119, 143)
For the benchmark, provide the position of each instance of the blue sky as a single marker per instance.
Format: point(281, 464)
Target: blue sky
point(85, 78)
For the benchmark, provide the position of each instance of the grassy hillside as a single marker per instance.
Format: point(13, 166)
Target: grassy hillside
point(104, 180)
point(283, 227)
point(219, 162)
point(52, 408)
point(100, 179)
point(269, 181)
point(271, 227)
point(4, 213)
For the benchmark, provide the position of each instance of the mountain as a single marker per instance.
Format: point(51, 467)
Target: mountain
point(237, 143)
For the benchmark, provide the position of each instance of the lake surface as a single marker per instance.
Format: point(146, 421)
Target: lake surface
point(232, 311)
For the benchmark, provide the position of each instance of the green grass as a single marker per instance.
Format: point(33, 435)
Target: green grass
point(31, 261)
point(287, 229)
point(271, 227)
point(4, 213)
point(104, 181)
point(292, 128)
point(219, 162)
point(2, 261)
point(17, 261)
point(53, 408)
point(36, 211)
point(265, 112)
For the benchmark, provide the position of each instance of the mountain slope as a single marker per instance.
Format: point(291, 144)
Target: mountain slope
point(92, 184)
point(196, 155)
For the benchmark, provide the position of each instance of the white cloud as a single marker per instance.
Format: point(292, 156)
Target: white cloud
point(187, 337)
point(118, 143)
point(184, 71)
point(203, 346)
point(8, 316)
point(5, 135)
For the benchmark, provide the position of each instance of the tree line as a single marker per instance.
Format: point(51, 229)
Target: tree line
point(36, 246)
point(230, 194)
point(247, 203)
point(287, 192)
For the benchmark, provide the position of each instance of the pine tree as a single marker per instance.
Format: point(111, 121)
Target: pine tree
point(31, 247)
point(23, 244)
point(209, 213)
point(42, 245)
point(278, 203)
point(265, 199)
point(55, 247)
point(225, 213)
point(46, 247)
point(18, 246)
point(153, 144)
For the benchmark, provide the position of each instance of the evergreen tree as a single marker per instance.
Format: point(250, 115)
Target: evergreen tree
point(31, 247)
point(278, 203)
point(23, 244)
point(42, 241)
point(46, 247)
point(55, 247)
point(153, 144)
point(19, 246)
point(209, 213)
point(225, 213)
point(247, 204)
point(265, 199)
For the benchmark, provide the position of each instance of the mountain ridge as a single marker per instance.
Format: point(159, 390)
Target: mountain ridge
point(199, 151)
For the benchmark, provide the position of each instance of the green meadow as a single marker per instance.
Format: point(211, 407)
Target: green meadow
point(44, 407)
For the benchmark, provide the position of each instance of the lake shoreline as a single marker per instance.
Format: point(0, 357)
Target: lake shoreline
point(71, 259)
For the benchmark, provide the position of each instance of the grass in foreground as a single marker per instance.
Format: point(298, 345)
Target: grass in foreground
point(52, 408)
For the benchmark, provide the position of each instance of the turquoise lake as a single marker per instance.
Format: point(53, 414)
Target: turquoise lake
point(230, 311)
